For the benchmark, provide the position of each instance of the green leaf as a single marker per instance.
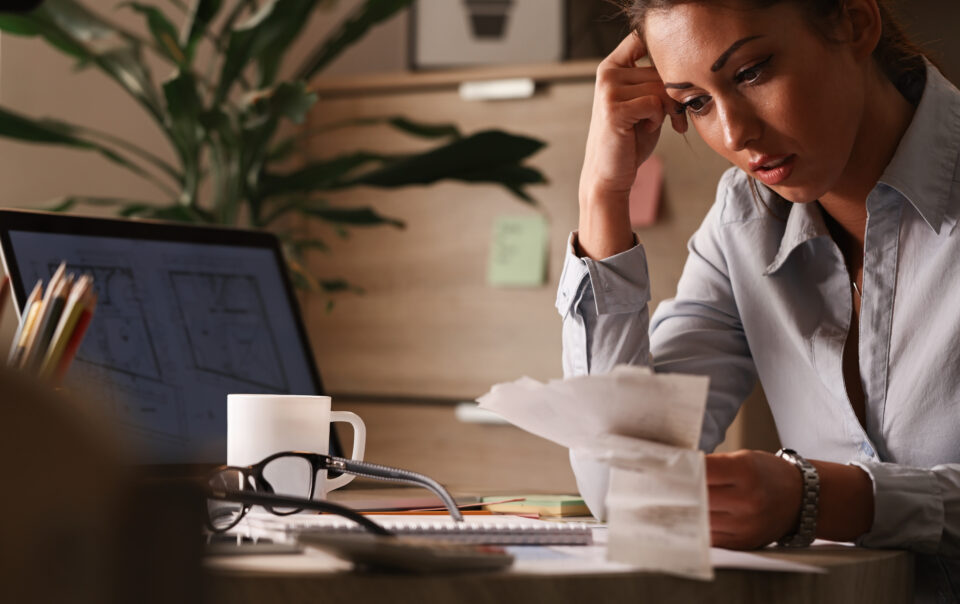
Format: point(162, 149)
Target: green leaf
point(356, 217)
point(19, 25)
point(70, 16)
point(327, 174)
point(49, 131)
point(489, 156)
point(34, 25)
point(163, 32)
point(183, 102)
point(264, 37)
point(202, 13)
point(424, 130)
point(334, 286)
point(184, 110)
point(405, 125)
point(352, 29)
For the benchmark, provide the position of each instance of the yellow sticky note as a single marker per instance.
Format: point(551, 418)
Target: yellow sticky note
point(518, 253)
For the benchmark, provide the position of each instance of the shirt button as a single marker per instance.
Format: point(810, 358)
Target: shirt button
point(867, 449)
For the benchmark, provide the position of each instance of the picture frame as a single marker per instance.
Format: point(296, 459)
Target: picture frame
point(461, 33)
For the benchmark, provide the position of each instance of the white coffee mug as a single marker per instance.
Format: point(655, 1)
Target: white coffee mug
point(259, 425)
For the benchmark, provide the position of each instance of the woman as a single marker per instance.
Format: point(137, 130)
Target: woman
point(824, 268)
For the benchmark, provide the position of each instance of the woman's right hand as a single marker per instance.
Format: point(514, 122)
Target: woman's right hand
point(629, 107)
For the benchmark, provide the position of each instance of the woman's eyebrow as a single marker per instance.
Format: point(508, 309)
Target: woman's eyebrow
point(718, 64)
point(722, 60)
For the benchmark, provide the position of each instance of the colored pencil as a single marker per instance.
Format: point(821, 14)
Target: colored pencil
point(4, 293)
point(32, 304)
point(70, 351)
point(27, 319)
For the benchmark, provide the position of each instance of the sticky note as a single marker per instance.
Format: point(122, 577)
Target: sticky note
point(645, 192)
point(518, 252)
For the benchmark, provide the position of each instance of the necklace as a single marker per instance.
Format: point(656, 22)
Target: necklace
point(856, 289)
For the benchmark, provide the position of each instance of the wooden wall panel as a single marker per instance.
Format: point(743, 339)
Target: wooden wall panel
point(428, 324)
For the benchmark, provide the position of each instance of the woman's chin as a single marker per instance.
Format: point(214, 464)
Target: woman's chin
point(797, 194)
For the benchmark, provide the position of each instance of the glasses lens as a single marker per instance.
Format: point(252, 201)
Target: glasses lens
point(225, 514)
point(289, 475)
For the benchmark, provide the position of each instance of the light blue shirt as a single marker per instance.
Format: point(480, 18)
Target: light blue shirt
point(770, 298)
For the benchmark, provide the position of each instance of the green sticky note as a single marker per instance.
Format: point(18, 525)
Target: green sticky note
point(518, 253)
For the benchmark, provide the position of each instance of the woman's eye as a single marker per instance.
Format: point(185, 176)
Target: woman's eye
point(751, 74)
point(696, 105)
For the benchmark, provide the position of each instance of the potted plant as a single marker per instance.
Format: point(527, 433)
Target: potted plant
point(223, 119)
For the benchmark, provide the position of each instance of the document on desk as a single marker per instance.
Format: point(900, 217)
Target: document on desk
point(646, 428)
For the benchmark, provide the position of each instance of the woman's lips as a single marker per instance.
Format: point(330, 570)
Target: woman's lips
point(772, 169)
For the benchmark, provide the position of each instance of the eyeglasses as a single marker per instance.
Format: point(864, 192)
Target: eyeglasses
point(233, 490)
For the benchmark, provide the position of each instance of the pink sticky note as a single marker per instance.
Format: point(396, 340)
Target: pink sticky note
point(645, 193)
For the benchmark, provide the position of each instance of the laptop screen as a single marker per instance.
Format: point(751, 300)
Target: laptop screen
point(184, 316)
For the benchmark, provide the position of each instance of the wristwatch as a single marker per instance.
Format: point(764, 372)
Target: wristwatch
point(807, 528)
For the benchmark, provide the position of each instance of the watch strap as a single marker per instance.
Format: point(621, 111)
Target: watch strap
point(809, 506)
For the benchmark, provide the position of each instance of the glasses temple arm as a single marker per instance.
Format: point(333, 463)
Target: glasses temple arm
point(378, 472)
point(270, 500)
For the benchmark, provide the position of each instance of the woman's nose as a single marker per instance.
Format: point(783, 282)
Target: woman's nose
point(740, 125)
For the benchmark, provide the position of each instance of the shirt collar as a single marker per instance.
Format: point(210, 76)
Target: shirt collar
point(923, 167)
point(805, 222)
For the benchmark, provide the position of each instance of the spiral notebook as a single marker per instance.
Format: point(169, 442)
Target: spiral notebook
point(487, 530)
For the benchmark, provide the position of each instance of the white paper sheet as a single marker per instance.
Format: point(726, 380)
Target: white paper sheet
point(629, 401)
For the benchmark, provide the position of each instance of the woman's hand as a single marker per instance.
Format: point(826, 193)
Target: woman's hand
point(755, 499)
point(629, 107)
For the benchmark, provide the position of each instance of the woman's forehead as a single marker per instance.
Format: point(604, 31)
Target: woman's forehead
point(701, 32)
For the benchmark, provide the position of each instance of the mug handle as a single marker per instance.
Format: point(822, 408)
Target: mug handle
point(359, 444)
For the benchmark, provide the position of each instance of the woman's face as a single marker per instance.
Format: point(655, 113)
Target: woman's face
point(764, 90)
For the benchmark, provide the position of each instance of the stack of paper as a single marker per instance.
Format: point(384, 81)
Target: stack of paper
point(53, 324)
point(644, 428)
point(537, 505)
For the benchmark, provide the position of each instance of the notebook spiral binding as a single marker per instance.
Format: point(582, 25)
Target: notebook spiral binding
point(488, 533)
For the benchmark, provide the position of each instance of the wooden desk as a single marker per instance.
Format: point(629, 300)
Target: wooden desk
point(854, 575)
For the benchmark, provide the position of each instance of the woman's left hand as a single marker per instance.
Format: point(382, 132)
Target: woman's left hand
point(754, 497)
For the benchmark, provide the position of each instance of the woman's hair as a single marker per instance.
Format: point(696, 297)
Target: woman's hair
point(899, 58)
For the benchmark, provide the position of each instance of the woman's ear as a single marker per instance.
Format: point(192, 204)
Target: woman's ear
point(861, 26)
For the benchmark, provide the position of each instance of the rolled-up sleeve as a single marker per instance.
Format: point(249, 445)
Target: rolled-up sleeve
point(915, 508)
point(603, 304)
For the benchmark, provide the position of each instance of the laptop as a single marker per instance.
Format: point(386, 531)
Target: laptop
point(185, 315)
